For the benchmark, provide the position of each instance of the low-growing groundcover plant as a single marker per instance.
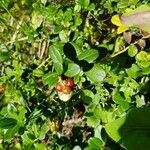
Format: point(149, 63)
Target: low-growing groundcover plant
point(74, 75)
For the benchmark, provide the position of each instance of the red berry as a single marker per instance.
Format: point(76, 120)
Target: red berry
point(59, 87)
point(1, 90)
point(66, 90)
point(70, 82)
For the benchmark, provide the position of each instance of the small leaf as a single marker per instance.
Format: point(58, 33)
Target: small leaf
point(122, 4)
point(120, 99)
point(37, 72)
point(76, 47)
point(83, 3)
point(134, 71)
point(92, 121)
point(50, 79)
point(7, 123)
point(40, 146)
point(36, 20)
point(95, 142)
point(4, 53)
point(55, 52)
point(96, 74)
point(87, 96)
point(73, 70)
point(58, 67)
point(11, 132)
point(132, 51)
point(143, 56)
point(89, 55)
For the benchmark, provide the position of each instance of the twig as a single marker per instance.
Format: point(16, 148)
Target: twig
point(43, 49)
point(125, 49)
point(43, 63)
point(17, 31)
point(13, 41)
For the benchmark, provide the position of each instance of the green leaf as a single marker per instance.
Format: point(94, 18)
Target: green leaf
point(92, 121)
point(43, 131)
point(50, 79)
point(37, 72)
point(64, 36)
point(7, 123)
point(134, 71)
point(122, 4)
point(146, 71)
point(89, 55)
point(141, 56)
point(143, 59)
point(140, 101)
point(58, 67)
point(83, 3)
point(96, 74)
point(40, 146)
point(55, 52)
point(95, 142)
point(76, 47)
point(117, 97)
point(4, 53)
point(132, 51)
point(36, 20)
point(132, 130)
point(11, 132)
point(87, 96)
point(67, 16)
point(72, 70)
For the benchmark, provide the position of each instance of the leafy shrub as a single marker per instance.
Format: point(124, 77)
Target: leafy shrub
point(45, 41)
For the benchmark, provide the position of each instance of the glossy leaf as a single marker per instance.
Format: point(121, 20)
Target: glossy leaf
point(96, 74)
point(11, 132)
point(89, 55)
point(83, 3)
point(4, 53)
point(125, 130)
point(7, 123)
point(72, 70)
point(95, 142)
point(132, 51)
point(55, 53)
point(50, 79)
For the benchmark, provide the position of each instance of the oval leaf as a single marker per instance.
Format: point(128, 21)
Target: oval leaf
point(96, 74)
point(89, 55)
point(126, 129)
point(95, 142)
point(7, 123)
point(73, 70)
point(55, 52)
point(50, 79)
point(4, 53)
point(83, 3)
point(132, 51)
